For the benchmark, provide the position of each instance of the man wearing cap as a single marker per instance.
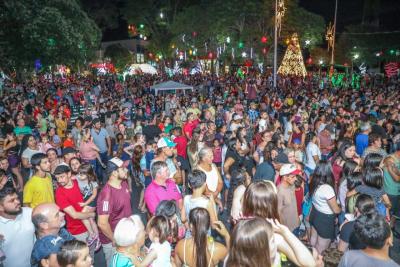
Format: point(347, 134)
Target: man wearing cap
point(48, 221)
point(69, 199)
point(165, 153)
point(39, 188)
point(102, 140)
point(113, 204)
point(161, 188)
point(287, 205)
point(16, 229)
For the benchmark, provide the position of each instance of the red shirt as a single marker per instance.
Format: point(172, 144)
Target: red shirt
point(299, 199)
point(71, 197)
point(116, 203)
point(69, 143)
point(188, 127)
point(181, 144)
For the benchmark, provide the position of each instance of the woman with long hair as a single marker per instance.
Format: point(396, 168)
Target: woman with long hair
point(11, 147)
point(239, 182)
point(53, 159)
point(250, 244)
point(194, 147)
point(347, 151)
point(137, 168)
point(349, 167)
point(324, 207)
point(29, 147)
point(261, 200)
point(89, 152)
point(200, 249)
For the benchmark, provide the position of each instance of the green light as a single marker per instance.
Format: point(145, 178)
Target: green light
point(241, 44)
point(391, 51)
point(141, 26)
point(51, 42)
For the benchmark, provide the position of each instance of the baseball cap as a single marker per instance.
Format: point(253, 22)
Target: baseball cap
point(165, 142)
point(62, 168)
point(68, 150)
point(282, 158)
point(44, 247)
point(297, 141)
point(287, 169)
point(132, 225)
point(113, 165)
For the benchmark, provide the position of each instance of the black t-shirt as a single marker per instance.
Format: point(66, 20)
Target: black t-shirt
point(151, 131)
point(347, 234)
point(240, 162)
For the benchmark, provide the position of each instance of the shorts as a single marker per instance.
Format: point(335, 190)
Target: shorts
point(13, 160)
point(227, 182)
point(184, 163)
point(323, 223)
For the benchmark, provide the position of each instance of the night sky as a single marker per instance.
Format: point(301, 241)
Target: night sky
point(349, 12)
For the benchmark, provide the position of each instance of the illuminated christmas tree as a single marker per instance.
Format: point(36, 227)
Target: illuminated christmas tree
point(292, 63)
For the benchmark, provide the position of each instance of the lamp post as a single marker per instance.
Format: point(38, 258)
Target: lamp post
point(275, 41)
point(334, 34)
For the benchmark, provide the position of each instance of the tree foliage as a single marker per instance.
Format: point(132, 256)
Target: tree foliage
point(53, 31)
point(119, 55)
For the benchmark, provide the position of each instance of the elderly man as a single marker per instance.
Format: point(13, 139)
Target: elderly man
point(161, 188)
point(48, 221)
point(16, 229)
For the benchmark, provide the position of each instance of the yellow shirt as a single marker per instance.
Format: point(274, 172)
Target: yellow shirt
point(38, 190)
point(195, 111)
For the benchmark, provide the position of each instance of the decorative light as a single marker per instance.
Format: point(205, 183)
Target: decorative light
point(160, 56)
point(190, 52)
point(264, 50)
point(194, 52)
point(329, 35)
point(287, 41)
point(210, 55)
point(356, 56)
point(244, 54)
point(321, 62)
point(280, 13)
point(172, 46)
point(161, 15)
point(308, 42)
point(141, 35)
point(241, 44)
point(264, 39)
point(194, 34)
point(378, 54)
point(141, 26)
point(145, 38)
point(181, 56)
point(391, 51)
point(293, 63)
point(228, 39)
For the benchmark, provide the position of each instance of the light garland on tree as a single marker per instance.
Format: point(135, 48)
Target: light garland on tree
point(329, 35)
point(292, 63)
point(280, 13)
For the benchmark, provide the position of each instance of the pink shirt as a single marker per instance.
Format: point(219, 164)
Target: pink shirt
point(87, 150)
point(156, 193)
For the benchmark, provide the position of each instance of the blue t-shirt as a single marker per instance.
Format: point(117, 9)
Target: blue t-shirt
point(99, 138)
point(120, 260)
point(361, 143)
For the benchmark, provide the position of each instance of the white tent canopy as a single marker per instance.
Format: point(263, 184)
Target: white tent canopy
point(170, 86)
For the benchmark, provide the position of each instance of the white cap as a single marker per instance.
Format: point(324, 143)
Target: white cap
point(165, 142)
point(127, 231)
point(288, 169)
point(117, 161)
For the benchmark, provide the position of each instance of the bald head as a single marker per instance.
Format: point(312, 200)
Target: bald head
point(47, 219)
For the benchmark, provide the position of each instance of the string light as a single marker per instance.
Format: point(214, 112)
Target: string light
point(292, 63)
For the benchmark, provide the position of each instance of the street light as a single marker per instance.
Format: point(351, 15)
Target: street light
point(356, 56)
point(228, 39)
point(308, 42)
point(244, 54)
point(321, 62)
point(161, 15)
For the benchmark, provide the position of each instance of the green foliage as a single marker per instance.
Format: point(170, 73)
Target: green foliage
point(54, 31)
point(119, 55)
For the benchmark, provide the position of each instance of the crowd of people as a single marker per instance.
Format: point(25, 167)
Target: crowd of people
point(236, 173)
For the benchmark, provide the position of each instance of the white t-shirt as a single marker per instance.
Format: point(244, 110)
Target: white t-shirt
point(321, 196)
point(163, 254)
point(19, 238)
point(262, 125)
point(288, 131)
point(28, 153)
point(312, 150)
